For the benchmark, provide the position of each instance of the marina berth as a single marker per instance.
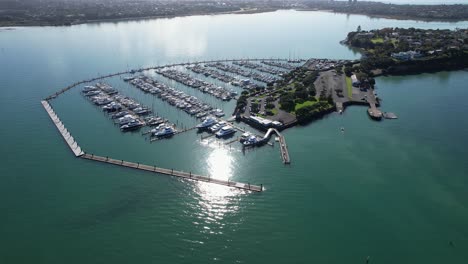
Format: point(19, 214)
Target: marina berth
point(206, 87)
point(225, 131)
point(209, 121)
point(187, 103)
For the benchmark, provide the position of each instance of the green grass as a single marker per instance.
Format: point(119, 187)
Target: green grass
point(349, 86)
point(274, 111)
point(304, 104)
point(377, 40)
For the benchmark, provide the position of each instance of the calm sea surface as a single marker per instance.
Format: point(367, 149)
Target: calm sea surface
point(395, 190)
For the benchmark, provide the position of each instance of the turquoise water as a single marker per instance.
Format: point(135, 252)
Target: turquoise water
point(393, 190)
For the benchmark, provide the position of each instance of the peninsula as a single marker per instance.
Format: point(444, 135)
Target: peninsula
point(408, 51)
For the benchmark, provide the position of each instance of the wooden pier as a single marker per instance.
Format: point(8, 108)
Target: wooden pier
point(175, 173)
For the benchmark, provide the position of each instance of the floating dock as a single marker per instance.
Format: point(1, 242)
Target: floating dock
point(171, 172)
point(283, 147)
point(75, 148)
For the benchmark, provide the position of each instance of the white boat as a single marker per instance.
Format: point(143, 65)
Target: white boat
point(166, 131)
point(252, 140)
point(126, 119)
point(209, 121)
point(225, 131)
point(217, 126)
point(245, 136)
point(218, 113)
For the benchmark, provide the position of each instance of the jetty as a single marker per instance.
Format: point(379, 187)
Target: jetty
point(283, 147)
point(75, 148)
point(175, 173)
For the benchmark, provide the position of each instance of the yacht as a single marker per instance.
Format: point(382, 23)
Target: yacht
point(225, 131)
point(245, 137)
point(250, 141)
point(126, 119)
point(209, 121)
point(218, 112)
point(91, 93)
point(112, 107)
point(120, 114)
point(154, 121)
point(217, 126)
point(89, 89)
point(132, 125)
point(201, 114)
point(166, 131)
point(141, 111)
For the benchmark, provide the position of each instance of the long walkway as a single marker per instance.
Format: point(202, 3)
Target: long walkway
point(171, 172)
point(283, 146)
point(75, 148)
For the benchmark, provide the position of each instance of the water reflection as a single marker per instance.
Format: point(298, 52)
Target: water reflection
point(215, 202)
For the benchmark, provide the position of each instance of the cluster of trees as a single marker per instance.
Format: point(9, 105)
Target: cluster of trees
point(302, 92)
point(311, 111)
point(242, 101)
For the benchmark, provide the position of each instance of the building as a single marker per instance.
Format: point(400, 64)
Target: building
point(406, 56)
point(355, 81)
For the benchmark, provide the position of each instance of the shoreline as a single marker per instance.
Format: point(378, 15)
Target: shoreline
point(127, 19)
point(241, 11)
point(384, 16)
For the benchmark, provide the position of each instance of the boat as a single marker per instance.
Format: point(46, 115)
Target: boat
point(250, 141)
point(201, 114)
point(218, 113)
point(129, 78)
point(126, 119)
point(120, 114)
point(209, 121)
point(244, 136)
point(141, 111)
point(91, 93)
point(154, 121)
point(89, 88)
point(214, 128)
point(225, 131)
point(132, 125)
point(166, 131)
point(112, 107)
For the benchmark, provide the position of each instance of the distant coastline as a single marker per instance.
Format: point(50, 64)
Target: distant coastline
point(75, 15)
point(4, 25)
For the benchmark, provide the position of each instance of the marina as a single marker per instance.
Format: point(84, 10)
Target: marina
point(78, 152)
point(120, 214)
point(131, 115)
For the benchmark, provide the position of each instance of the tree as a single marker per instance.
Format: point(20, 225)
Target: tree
point(287, 102)
point(312, 90)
